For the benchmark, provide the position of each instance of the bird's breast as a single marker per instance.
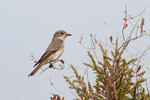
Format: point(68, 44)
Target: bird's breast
point(59, 53)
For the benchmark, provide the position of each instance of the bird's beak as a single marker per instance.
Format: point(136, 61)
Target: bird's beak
point(68, 34)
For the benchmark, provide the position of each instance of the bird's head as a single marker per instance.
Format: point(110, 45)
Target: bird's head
point(61, 34)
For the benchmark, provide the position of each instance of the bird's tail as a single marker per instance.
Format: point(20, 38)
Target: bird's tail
point(35, 70)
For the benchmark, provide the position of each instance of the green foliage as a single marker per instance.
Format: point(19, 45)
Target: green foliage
point(117, 78)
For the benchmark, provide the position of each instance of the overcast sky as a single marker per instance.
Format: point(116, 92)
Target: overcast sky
point(27, 26)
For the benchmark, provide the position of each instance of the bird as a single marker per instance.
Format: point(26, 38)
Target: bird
point(53, 51)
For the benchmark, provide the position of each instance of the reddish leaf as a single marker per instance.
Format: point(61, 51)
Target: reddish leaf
point(141, 74)
point(126, 25)
point(111, 39)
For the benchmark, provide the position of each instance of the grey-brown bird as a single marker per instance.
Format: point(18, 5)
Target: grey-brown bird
point(53, 52)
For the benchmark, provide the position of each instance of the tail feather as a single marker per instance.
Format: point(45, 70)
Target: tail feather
point(35, 70)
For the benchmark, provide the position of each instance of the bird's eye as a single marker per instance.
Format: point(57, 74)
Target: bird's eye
point(62, 33)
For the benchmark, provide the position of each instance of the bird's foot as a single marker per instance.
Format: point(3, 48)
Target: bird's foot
point(51, 65)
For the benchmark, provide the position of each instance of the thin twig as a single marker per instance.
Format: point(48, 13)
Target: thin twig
point(125, 22)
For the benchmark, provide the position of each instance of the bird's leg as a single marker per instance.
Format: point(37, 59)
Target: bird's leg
point(62, 66)
point(51, 65)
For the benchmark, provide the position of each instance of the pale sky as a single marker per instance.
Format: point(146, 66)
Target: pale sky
point(27, 26)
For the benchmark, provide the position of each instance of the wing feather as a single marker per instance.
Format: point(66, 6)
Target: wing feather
point(52, 48)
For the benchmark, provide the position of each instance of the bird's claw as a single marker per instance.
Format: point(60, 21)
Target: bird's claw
point(51, 65)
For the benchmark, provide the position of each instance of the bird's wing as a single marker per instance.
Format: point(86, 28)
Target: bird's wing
point(52, 48)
